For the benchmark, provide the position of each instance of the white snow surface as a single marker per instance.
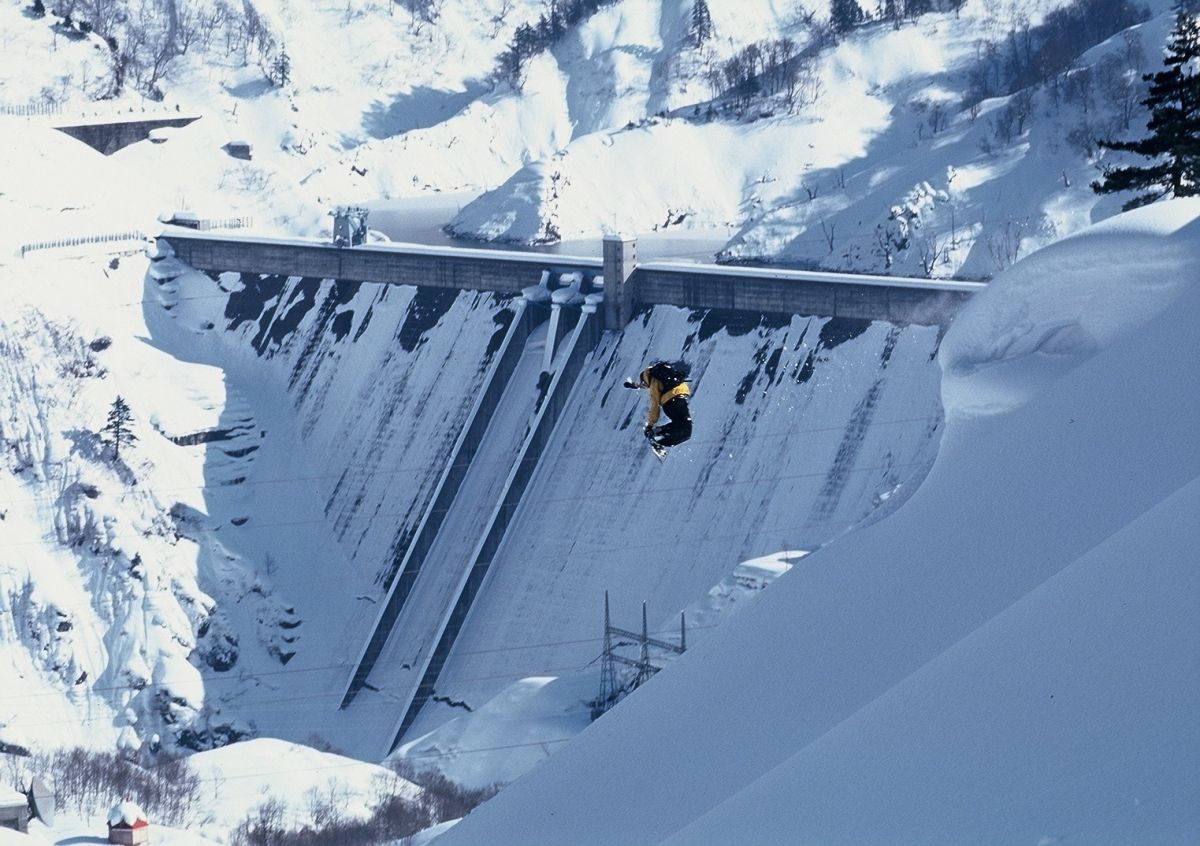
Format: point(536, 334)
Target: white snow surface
point(1009, 657)
point(215, 586)
point(242, 776)
point(69, 831)
point(127, 813)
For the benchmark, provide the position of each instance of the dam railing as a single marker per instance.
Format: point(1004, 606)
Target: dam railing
point(628, 285)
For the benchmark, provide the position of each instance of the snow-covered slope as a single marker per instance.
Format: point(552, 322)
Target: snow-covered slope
point(102, 604)
point(896, 165)
point(299, 779)
point(1010, 657)
point(892, 157)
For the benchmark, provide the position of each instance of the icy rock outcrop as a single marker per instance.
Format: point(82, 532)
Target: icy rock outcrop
point(105, 607)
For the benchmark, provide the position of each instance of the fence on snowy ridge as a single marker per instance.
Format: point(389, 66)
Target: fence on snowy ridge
point(82, 241)
point(97, 109)
point(27, 111)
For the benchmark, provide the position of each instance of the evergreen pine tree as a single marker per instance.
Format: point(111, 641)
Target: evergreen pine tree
point(117, 428)
point(1174, 141)
point(283, 67)
point(702, 26)
point(844, 15)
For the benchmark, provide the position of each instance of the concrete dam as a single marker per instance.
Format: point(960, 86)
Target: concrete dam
point(531, 494)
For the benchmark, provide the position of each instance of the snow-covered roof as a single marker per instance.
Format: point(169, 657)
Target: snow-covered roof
point(127, 813)
point(10, 797)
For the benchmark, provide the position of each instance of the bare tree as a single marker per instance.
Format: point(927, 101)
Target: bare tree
point(1004, 244)
point(938, 117)
point(932, 251)
point(149, 47)
point(498, 20)
point(827, 231)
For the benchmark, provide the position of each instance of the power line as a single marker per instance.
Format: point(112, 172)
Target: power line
point(374, 470)
point(381, 699)
point(246, 527)
point(342, 665)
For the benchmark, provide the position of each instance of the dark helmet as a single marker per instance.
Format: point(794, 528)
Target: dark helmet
point(670, 373)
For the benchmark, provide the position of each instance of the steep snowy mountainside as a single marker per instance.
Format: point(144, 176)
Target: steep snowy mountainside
point(1008, 657)
point(105, 603)
point(804, 428)
point(478, 147)
point(892, 156)
point(355, 73)
point(896, 165)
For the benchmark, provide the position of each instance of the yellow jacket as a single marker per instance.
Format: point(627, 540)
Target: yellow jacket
point(658, 397)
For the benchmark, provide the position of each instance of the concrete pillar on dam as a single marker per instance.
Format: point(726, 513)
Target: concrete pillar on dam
point(620, 260)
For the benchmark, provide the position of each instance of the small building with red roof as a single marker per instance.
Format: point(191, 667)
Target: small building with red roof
point(127, 824)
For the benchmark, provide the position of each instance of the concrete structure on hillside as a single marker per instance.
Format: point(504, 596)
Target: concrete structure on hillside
point(108, 135)
point(629, 285)
point(620, 261)
point(349, 226)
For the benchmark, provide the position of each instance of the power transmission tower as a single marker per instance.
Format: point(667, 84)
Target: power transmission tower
point(611, 689)
point(608, 669)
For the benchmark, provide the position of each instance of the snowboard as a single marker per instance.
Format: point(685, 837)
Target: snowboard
point(660, 452)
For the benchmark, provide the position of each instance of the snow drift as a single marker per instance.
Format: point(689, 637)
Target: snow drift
point(1010, 657)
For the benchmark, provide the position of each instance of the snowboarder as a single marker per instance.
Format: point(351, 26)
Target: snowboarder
point(669, 392)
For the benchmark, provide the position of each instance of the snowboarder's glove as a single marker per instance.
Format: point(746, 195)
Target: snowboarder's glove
point(629, 383)
point(648, 431)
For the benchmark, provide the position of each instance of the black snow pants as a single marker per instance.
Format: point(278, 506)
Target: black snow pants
point(680, 427)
